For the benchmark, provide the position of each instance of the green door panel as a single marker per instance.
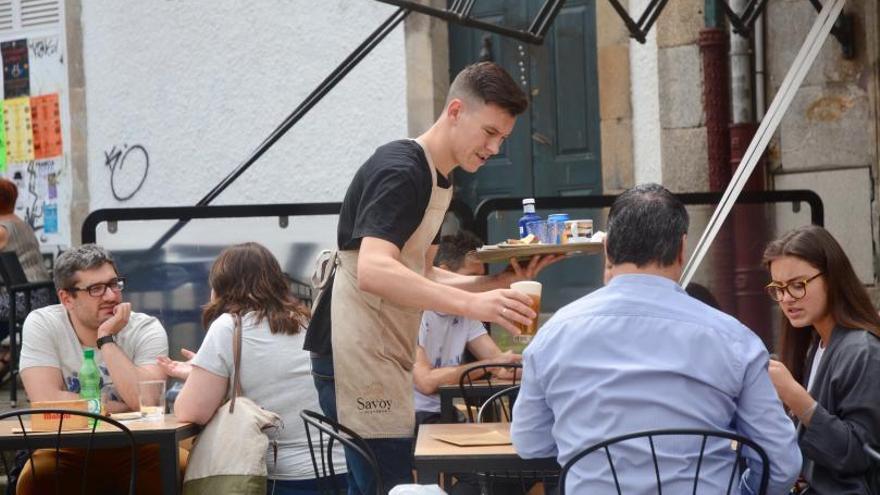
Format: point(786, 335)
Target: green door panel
point(509, 173)
point(565, 113)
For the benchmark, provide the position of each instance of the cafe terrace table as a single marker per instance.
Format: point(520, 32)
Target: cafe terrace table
point(480, 389)
point(166, 433)
point(433, 456)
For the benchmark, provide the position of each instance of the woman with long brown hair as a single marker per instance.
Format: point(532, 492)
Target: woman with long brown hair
point(247, 283)
point(829, 349)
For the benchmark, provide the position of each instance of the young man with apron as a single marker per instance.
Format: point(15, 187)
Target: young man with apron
point(365, 325)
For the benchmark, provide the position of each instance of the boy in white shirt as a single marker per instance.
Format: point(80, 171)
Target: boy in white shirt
point(444, 338)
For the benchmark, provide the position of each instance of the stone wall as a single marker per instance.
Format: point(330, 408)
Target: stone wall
point(828, 139)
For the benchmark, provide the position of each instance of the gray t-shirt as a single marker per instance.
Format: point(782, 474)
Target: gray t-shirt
point(48, 339)
point(444, 338)
point(276, 374)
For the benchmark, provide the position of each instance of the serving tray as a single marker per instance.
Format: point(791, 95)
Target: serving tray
point(494, 253)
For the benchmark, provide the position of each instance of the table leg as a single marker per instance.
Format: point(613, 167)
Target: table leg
point(428, 476)
point(169, 461)
point(447, 411)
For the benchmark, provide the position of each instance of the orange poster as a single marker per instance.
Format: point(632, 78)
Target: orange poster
point(46, 119)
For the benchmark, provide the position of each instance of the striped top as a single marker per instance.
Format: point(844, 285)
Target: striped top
point(23, 242)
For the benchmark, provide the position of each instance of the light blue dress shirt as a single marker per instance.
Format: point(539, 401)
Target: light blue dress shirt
point(640, 354)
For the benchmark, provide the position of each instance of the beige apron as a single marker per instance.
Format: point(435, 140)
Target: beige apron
point(374, 340)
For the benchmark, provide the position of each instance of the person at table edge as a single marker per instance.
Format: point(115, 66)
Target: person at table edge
point(127, 344)
point(384, 276)
point(640, 354)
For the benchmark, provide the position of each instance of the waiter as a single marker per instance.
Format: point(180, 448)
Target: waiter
point(364, 331)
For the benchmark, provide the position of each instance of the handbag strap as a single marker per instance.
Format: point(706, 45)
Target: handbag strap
point(236, 359)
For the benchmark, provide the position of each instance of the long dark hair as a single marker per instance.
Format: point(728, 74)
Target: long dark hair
point(246, 277)
point(848, 301)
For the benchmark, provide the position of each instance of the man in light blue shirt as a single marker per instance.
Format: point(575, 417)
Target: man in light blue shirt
point(640, 354)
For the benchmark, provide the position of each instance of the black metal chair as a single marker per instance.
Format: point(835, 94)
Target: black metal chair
point(335, 432)
point(872, 453)
point(739, 440)
point(499, 405)
point(15, 282)
point(477, 383)
point(63, 439)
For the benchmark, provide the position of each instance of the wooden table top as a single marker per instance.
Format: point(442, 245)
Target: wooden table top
point(167, 423)
point(428, 446)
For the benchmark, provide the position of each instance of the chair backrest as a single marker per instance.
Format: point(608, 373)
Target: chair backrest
point(737, 443)
point(321, 448)
point(499, 405)
point(27, 439)
point(11, 270)
point(477, 383)
point(872, 453)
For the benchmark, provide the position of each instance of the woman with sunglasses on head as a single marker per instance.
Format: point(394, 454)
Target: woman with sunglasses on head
point(829, 366)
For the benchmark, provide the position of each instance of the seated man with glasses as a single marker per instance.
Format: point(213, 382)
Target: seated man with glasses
point(127, 344)
point(641, 354)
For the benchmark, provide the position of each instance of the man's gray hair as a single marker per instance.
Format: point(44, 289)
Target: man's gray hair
point(85, 257)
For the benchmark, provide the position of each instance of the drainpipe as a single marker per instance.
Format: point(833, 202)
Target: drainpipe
point(749, 222)
point(716, 104)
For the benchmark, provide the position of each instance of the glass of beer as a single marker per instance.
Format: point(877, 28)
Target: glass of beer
point(533, 290)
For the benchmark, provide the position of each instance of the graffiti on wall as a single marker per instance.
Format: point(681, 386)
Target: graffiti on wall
point(129, 167)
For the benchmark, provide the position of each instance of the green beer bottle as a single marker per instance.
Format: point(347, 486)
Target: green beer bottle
point(90, 383)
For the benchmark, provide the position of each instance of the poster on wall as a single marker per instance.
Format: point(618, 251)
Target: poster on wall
point(37, 195)
point(16, 69)
point(32, 153)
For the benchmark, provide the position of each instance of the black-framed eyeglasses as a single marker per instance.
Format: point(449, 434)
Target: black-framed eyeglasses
point(797, 289)
point(98, 290)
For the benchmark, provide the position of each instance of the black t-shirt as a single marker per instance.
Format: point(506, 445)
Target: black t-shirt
point(386, 199)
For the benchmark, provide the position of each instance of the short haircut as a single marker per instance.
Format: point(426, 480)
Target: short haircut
point(85, 257)
point(8, 196)
point(645, 226)
point(490, 83)
point(453, 249)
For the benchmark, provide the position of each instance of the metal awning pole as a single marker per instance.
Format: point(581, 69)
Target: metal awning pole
point(792, 82)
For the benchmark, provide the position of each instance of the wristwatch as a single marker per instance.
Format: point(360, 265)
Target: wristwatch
point(107, 339)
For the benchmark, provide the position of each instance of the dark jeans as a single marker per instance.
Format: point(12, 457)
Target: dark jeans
point(394, 455)
point(300, 487)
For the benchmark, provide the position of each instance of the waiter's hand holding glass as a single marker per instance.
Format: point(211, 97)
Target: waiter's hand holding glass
point(509, 308)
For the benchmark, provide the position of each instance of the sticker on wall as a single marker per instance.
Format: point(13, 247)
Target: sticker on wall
point(16, 69)
point(19, 135)
point(46, 120)
point(46, 69)
point(52, 186)
point(50, 222)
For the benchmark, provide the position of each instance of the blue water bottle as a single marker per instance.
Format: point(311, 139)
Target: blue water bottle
point(529, 215)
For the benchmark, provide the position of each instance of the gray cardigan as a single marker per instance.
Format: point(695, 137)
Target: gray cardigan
point(847, 389)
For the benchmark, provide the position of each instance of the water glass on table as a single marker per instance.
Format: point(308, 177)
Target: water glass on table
point(152, 399)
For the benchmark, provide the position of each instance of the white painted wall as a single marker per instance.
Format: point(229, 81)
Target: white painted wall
point(200, 83)
point(647, 155)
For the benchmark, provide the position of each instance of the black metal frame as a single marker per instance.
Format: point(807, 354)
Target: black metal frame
point(489, 206)
point(460, 10)
point(650, 434)
point(16, 282)
point(59, 437)
point(343, 435)
point(186, 213)
point(483, 372)
point(495, 402)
